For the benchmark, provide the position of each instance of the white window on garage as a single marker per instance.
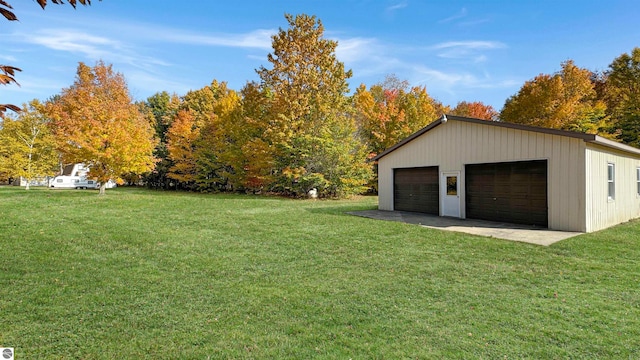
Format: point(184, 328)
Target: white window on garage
point(611, 180)
point(638, 180)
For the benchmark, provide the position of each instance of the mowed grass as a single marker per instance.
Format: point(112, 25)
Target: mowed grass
point(141, 274)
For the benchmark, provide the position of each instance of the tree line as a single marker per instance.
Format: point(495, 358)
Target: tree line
point(295, 129)
point(606, 103)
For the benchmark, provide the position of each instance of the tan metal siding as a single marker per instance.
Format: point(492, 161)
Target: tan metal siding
point(454, 144)
point(600, 211)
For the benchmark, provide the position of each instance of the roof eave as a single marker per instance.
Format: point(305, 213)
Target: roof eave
point(614, 145)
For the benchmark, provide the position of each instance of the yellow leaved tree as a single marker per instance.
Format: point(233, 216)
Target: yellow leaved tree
point(565, 100)
point(96, 123)
point(27, 147)
point(181, 141)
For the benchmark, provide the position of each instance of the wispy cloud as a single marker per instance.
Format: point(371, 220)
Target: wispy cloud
point(152, 32)
point(356, 49)
point(371, 57)
point(474, 22)
point(469, 50)
point(457, 84)
point(462, 15)
point(443, 79)
point(257, 39)
point(398, 6)
point(470, 45)
point(457, 16)
point(32, 86)
point(73, 41)
point(368, 55)
point(7, 58)
point(148, 83)
point(138, 54)
point(92, 47)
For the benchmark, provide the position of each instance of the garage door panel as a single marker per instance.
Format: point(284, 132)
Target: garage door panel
point(416, 189)
point(508, 192)
point(538, 191)
point(539, 203)
point(520, 191)
point(521, 203)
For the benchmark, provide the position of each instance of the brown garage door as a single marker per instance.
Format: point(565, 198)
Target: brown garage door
point(514, 192)
point(416, 189)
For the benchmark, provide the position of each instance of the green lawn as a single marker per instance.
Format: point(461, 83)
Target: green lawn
point(140, 274)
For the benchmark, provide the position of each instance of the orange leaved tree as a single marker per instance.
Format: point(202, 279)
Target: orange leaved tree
point(181, 141)
point(565, 100)
point(390, 111)
point(96, 123)
point(476, 110)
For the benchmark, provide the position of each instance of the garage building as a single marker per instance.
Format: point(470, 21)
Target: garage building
point(477, 169)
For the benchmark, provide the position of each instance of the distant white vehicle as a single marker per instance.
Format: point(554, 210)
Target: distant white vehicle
point(71, 182)
point(75, 177)
point(87, 184)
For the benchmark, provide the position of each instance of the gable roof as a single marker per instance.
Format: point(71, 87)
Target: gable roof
point(591, 138)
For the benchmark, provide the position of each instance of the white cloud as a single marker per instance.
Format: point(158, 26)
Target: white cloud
point(31, 87)
point(474, 22)
point(461, 15)
point(443, 79)
point(470, 45)
point(257, 57)
point(149, 83)
point(98, 47)
point(397, 6)
point(369, 56)
point(92, 47)
point(375, 59)
point(468, 50)
point(457, 16)
point(257, 39)
point(8, 58)
point(452, 81)
point(74, 41)
point(356, 49)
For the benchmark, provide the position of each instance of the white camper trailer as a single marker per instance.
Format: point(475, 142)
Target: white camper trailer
point(73, 182)
point(75, 177)
point(64, 182)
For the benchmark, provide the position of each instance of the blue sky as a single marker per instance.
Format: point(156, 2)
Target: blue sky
point(460, 50)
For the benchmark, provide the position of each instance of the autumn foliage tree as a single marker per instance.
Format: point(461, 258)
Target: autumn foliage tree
point(622, 95)
point(96, 123)
point(390, 111)
point(565, 100)
point(248, 150)
point(476, 110)
point(160, 109)
point(181, 142)
point(215, 171)
point(201, 144)
point(311, 129)
point(27, 147)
